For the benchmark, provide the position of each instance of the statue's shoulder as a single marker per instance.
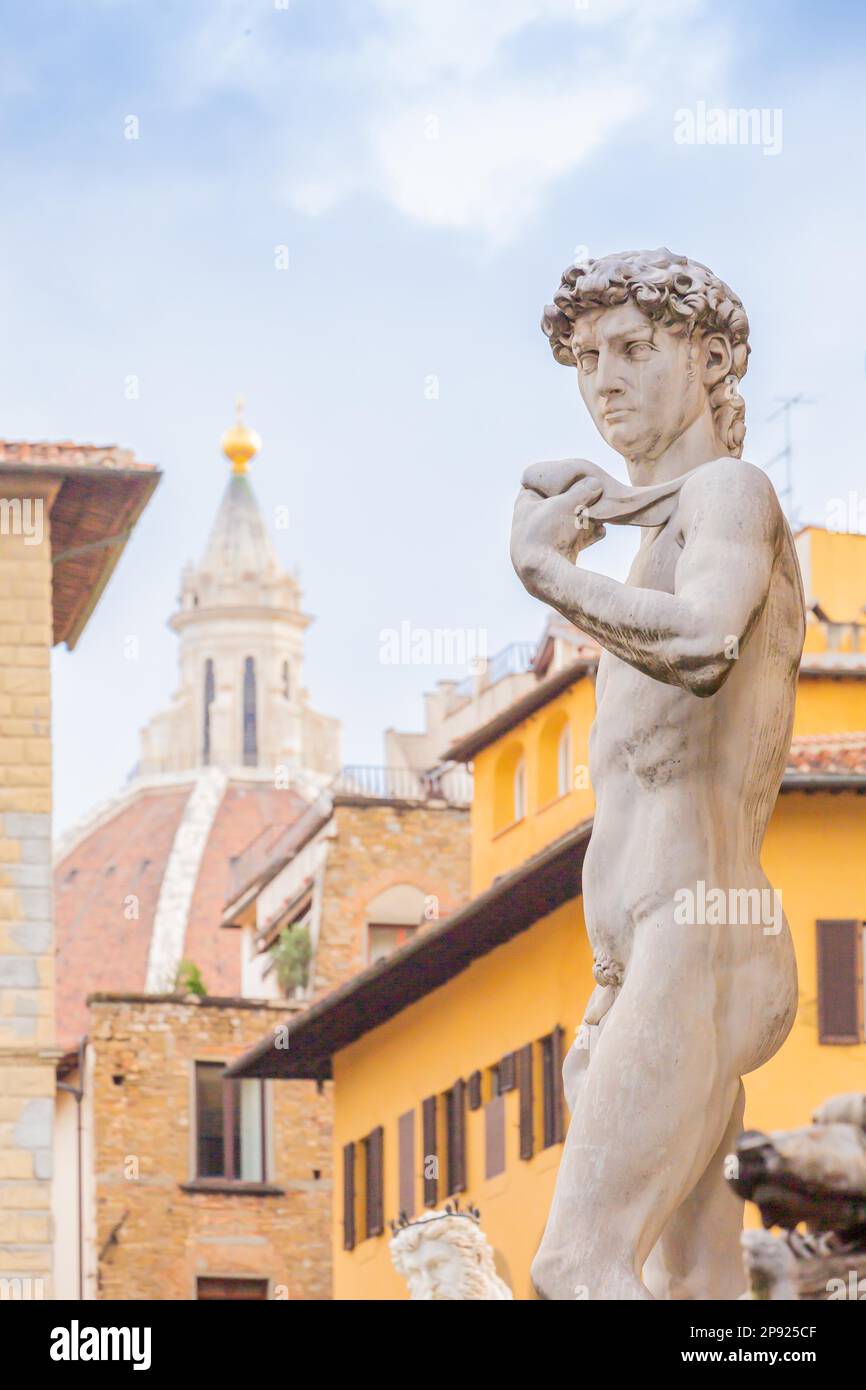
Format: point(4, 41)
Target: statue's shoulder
point(738, 488)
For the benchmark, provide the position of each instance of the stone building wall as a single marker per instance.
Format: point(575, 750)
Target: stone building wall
point(378, 845)
point(153, 1238)
point(27, 1058)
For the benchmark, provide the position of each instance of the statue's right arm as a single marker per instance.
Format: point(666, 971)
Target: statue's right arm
point(729, 521)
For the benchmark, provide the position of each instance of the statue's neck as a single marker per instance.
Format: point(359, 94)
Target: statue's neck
point(697, 444)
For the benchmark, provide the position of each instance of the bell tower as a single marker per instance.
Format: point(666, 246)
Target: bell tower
point(241, 705)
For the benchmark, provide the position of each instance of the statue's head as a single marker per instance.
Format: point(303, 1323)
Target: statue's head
point(445, 1256)
point(657, 340)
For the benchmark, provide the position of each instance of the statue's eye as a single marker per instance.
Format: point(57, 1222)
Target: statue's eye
point(639, 350)
point(587, 361)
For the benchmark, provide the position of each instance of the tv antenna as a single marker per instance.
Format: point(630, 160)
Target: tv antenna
point(786, 453)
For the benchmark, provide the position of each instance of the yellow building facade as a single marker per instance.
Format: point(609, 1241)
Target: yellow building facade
point(451, 1052)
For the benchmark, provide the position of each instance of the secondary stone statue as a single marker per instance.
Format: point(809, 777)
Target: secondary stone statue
point(445, 1256)
point(814, 1176)
point(696, 977)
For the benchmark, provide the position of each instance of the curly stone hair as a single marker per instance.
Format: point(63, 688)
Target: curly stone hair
point(480, 1280)
point(671, 290)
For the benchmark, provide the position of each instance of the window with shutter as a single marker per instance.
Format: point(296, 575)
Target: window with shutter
point(374, 1183)
point(552, 1116)
point(431, 1152)
point(494, 1137)
point(840, 992)
point(406, 1160)
point(474, 1091)
point(455, 1103)
point(506, 1072)
point(524, 1085)
point(349, 1197)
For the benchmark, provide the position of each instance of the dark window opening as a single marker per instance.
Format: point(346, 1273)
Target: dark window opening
point(233, 1289)
point(251, 745)
point(230, 1126)
point(383, 939)
point(208, 701)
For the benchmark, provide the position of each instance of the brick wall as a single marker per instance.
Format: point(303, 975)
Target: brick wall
point(144, 1052)
point(378, 846)
point(27, 1058)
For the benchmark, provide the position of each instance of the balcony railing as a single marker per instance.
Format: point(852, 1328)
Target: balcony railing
point(452, 784)
point(514, 660)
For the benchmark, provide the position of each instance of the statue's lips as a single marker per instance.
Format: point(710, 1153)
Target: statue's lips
point(619, 503)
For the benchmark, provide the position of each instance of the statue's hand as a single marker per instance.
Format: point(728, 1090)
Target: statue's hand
point(559, 524)
point(555, 476)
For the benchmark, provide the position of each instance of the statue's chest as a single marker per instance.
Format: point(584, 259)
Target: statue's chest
point(655, 565)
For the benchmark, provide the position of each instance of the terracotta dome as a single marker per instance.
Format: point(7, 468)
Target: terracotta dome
point(141, 883)
point(118, 870)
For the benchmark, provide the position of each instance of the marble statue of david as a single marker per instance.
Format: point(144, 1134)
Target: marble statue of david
point(695, 704)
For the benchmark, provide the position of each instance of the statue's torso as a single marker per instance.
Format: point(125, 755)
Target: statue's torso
point(685, 785)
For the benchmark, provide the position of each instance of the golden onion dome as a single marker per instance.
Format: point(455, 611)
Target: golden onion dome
point(240, 444)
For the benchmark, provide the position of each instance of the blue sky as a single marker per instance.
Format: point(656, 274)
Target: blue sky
point(431, 166)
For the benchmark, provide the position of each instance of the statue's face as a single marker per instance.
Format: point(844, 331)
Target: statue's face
point(642, 383)
point(434, 1271)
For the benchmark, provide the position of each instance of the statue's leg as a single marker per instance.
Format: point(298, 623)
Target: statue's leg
point(649, 1114)
point(699, 1255)
point(580, 1054)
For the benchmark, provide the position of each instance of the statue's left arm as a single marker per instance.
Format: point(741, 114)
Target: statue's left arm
point(730, 522)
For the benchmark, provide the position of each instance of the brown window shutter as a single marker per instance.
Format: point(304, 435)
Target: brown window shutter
point(375, 1143)
point(494, 1137)
point(456, 1102)
point(524, 1084)
point(348, 1196)
point(506, 1074)
point(474, 1091)
point(551, 1088)
point(406, 1146)
point(428, 1128)
point(839, 982)
point(558, 1093)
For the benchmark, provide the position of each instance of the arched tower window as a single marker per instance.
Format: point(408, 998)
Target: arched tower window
point(251, 745)
point(208, 701)
point(287, 682)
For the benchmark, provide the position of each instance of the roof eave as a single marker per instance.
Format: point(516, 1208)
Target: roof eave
point(424, 964)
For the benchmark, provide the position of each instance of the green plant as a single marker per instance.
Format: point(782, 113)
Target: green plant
point(188, 979)
point(291, 956)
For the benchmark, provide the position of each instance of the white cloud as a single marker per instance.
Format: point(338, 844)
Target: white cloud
point(461, 115)
point(492, 160)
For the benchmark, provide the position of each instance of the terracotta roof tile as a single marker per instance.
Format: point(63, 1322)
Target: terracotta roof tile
point(67, 453)
point(98, 949)
point(828, 753)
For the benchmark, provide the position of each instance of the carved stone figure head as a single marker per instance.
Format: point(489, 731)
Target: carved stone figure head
point(657, 340)
point(447, 1257)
